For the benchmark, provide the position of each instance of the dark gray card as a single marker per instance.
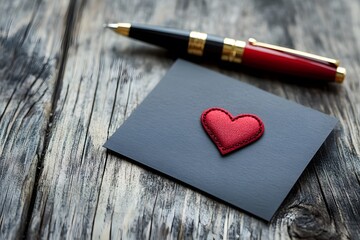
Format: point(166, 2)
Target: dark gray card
point(165, 133)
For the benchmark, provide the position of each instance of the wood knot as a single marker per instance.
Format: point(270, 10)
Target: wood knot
point(310, 222)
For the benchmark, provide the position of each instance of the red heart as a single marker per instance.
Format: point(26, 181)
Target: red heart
point(230, 133)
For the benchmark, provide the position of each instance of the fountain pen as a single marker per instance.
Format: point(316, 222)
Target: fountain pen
point(251, 53)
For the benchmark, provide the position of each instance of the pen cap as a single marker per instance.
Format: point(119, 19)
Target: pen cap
point(284, 63)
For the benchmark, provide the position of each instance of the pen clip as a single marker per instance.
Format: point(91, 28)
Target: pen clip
point(311, 56)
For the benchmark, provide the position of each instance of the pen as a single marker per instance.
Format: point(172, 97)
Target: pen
point(253, 54)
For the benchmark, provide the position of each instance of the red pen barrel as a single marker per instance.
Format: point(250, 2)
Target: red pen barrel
point(285, 63)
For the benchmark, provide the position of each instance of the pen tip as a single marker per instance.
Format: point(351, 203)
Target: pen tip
point(110, 25)
point(121, 28)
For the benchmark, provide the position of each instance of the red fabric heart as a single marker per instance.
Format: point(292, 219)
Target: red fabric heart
point(230, 133)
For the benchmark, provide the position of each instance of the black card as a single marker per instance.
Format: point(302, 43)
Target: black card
point(165, 133)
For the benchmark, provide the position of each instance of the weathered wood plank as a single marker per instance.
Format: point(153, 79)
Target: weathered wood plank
point(30, 54)
point(86, 192)
point(95, 82)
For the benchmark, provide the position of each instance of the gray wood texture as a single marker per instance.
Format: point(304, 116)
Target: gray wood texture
point(30, 63)
point(67, 85)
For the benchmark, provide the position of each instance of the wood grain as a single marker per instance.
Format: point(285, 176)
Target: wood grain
point(83, 191)
point(29, 67)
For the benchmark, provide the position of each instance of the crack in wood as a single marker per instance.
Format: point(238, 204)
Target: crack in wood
point(69, 26)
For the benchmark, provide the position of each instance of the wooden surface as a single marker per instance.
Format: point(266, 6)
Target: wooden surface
point(67, 85)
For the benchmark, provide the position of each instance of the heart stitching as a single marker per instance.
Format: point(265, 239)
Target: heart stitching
point(227, 149)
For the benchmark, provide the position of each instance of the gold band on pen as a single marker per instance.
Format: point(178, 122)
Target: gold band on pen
point(232, 50)
point(197, 42)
